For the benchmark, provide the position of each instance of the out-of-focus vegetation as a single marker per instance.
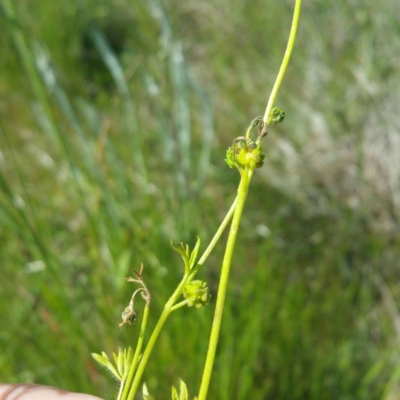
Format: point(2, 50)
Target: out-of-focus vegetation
point(115, 117)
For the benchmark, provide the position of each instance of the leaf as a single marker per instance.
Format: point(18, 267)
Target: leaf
point(120, 362)
point(187, 250)
point(115, 355)
point(174, 394)
point(145, 393)
point(184, 254)
point(105, 362)
point(183, 394)
point(195, 252)
point(128, 361)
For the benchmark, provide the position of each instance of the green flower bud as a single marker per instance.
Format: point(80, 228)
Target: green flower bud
point(197, 293)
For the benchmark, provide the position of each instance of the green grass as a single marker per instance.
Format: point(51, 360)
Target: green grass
point(116, 147)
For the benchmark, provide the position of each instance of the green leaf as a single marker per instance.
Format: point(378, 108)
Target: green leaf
point(183, 393)
point(174, 394)
point(195, 252)
point(187, 251)
point(128, 361)
point(145, 393)
point(120, 361)
point(105, 362)
point(184, 252)
point(115, 358)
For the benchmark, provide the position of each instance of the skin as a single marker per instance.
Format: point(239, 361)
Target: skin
point(39, 392)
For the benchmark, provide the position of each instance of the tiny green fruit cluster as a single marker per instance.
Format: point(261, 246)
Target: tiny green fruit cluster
point(277, 115)
point(196, 293)
point(244, 153)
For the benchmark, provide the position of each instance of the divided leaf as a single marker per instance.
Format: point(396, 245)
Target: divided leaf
point(105, 362)
point(145, 393)
point(122, 361)
point(189, 258)
point(183, 392)
point(193, 255)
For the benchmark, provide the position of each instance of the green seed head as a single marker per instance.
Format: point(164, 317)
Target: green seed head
point(277, 115)
point(197, 293)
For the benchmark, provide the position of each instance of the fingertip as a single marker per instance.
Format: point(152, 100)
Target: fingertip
point(39, 392)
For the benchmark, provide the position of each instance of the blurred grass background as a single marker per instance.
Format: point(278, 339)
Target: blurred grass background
point(115, 117)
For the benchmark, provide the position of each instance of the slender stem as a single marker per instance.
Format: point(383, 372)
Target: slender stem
point(153, 338)
point(170, 306)
point(179, 305)
point(285, 61)
point(223, 284)
point(242, 194)
point(172, 300)
point(143, 362)
point(214, 240)
point(203, 258)
point(137, 353)
point(121, 388)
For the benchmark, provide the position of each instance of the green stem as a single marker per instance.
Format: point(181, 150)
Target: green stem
point(143, 362)
point(179, 305)
point(214, 240)
point(285, 62)
point(242, 194)
point(121, 389)
point(170, 306)
point(137, 354)
point(226, 265)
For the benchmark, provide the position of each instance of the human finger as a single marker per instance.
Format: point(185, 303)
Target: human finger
point(39, 392)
